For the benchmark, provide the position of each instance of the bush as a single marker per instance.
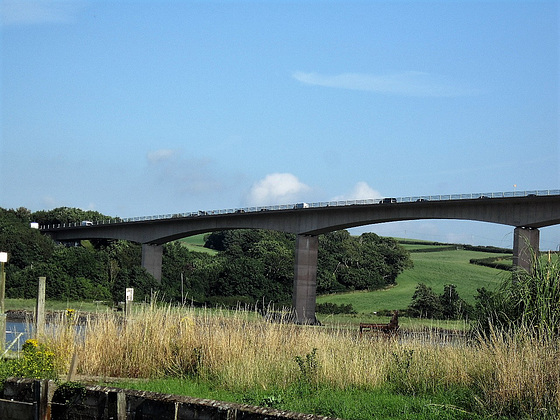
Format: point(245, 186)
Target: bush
point(332, 308)
point(528, 301)
point(38, 362)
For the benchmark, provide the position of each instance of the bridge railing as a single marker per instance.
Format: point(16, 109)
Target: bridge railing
point(336, 203)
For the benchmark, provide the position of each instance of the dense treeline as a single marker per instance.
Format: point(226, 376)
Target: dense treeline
point(99, 271)
point(250, 265)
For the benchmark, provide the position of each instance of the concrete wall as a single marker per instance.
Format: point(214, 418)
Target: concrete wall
point(25, 399)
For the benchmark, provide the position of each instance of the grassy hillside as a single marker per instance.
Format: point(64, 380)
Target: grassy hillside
point(435, 269)
point(195, 243)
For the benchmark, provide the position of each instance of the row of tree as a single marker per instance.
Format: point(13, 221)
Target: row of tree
point(249, 266)
point(426, 303)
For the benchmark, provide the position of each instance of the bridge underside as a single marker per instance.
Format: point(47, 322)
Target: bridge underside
point(525, 247)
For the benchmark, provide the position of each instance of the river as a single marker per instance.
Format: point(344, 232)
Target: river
point(13, 329)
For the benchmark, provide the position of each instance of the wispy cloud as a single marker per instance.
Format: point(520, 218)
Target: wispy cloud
point(31, 12)
point(161, 155)
point(184, 175)
point(410, 83)
point(276, 188)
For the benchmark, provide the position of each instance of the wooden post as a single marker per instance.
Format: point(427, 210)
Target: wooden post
point(2, 332)
point(116, 404)
point(73, 367)
point(40, 310)
point(41, 397)
point(2, 308)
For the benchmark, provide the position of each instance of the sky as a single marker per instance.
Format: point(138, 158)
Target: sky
point(135, 108)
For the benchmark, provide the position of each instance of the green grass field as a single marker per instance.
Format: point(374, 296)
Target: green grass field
point(435, 269)
point(195, 243)
point(56, 305)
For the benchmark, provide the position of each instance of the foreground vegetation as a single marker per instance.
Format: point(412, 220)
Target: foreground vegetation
point(508, 369)
point(329, 371)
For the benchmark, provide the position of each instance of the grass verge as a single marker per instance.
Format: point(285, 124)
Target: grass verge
point(349, 404)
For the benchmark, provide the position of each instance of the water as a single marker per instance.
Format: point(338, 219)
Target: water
point(13, 328)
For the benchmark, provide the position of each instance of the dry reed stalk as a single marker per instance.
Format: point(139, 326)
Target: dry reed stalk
point(523, 373)
point(240, 352)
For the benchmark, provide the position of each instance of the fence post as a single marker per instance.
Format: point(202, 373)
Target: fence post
point(41, 399)
point(116, 405)
point(73, 367)
point(40, 310)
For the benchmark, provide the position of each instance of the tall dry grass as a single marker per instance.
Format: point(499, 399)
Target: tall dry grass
point(506, 372)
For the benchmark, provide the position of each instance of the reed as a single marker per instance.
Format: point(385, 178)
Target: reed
point(505, 373)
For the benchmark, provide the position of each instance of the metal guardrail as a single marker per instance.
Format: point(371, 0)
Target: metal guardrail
point(339, 203)
point(15, 340)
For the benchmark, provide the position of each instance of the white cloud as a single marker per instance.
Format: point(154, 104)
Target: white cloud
point(30, 12)
point(361, 191)
point(277, 188)
point(410, 83)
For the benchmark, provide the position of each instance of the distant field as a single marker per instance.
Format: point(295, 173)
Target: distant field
point(435, 269)
point(56, 305)
point(196, 244)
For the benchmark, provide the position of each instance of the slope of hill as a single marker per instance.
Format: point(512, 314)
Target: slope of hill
point(195, 243)
point(449, 265)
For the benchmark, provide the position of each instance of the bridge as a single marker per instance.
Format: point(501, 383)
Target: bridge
point(525, 211)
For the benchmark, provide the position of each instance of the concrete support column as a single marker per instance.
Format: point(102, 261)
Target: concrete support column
point(525, 247)
point(305, 278)
point(151, 259)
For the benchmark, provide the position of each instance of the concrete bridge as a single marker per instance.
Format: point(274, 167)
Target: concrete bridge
point(525, 211)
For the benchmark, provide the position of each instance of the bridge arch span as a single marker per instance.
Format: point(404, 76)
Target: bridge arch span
point(526, 214)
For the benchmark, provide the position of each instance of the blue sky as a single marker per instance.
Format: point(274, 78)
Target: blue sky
point(135, 108)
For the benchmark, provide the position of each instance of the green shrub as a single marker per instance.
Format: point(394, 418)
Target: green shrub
point(309, 369)
point(37, 362)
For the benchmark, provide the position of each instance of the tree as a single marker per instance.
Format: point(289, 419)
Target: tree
point(367, 262)
point(257, 264)
point(65, 215)
point(425, 303)
point(25, 246)
point(452, 306)
point(180, 263)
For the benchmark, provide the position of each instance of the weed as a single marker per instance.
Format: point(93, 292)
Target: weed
point(309, 367)
point(69, 393)
point(398, 375)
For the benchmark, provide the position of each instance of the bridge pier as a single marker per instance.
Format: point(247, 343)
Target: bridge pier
point(525, 247)
point(305, 278)
point(152, 259)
